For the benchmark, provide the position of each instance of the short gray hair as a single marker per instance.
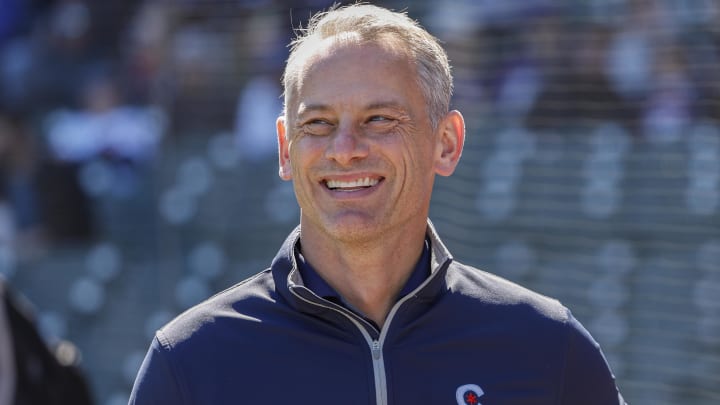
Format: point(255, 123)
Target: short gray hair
point(374, 24)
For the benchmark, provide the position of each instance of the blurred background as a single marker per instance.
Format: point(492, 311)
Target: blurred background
point(138, 170)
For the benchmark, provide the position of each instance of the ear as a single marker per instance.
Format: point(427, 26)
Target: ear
point(450, 141)
point(285, 170)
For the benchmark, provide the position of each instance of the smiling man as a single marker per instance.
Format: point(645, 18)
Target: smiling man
point(363, 304)
point(358, 142)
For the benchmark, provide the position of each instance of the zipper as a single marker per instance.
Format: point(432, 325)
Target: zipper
point(376, 345)
point(376, 349)
point(379, 371)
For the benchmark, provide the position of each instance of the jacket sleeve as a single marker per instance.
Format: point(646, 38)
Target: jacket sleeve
point(587, 376)
point(156, 382)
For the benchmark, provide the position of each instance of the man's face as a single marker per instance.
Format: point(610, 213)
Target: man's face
point(360, 148)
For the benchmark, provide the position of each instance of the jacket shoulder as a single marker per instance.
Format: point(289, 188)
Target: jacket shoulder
point(490, 290)
point(241, 302)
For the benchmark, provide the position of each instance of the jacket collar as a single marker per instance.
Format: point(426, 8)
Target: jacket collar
point(287, 277)
point(441, 256)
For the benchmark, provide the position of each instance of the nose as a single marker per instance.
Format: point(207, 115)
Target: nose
point(347, 145)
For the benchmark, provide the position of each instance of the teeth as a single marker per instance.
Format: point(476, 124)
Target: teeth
point(365, 182)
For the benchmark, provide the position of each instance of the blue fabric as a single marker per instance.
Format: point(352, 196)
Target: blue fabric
point(464, 334)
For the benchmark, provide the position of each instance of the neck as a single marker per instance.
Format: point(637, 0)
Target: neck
point(370, 274)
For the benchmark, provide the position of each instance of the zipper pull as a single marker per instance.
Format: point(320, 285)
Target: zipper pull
point(376, 350)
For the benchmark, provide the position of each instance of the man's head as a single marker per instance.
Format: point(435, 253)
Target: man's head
point(359, 139)
point(364, 23)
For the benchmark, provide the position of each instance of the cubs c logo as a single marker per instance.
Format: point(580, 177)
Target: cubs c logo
point(468, 394)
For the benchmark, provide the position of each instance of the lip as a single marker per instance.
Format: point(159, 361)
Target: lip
point(349, 178)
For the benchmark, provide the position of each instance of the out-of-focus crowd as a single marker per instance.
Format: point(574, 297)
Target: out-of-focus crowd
point(648, 64)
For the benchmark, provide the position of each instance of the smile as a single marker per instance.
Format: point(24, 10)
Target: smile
point(353, 185)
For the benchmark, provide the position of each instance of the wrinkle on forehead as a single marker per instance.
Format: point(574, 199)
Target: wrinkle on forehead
point(316, 51)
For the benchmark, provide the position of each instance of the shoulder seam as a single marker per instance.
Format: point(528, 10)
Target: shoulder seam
point(176, 372)
point(234, 286)
point(240, 283)
point(566, 355)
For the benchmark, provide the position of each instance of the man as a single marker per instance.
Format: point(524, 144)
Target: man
point(363, 304)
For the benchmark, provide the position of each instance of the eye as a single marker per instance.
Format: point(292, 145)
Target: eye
point(381, 123)
point(317, 126)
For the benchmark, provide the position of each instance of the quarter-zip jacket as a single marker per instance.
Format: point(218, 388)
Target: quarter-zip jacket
point(463, 336)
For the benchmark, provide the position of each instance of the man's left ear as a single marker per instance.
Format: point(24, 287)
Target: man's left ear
point(450, 141)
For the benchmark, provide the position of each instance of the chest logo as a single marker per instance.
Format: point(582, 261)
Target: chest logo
point(468, 394)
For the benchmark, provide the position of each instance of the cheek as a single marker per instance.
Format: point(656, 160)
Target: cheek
point(306, 157)
point(310, 145)
point(418, 153)
point(302, 151)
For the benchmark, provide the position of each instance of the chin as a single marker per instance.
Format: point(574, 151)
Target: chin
point(355, 230)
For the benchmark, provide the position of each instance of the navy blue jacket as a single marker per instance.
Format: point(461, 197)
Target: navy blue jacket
point(464, 336)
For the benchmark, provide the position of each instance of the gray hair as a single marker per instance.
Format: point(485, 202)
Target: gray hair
point(375, 24)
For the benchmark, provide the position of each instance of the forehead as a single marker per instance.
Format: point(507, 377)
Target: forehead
point(347, 67)
point(342, 53)
point(323, 47)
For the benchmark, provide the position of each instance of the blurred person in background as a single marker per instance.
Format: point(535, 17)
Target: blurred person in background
point(258, 103)
point(580, 95)
point(19, 191)
point(41, 193)
point(106, 130)
point(364, 303)
point(32, 372)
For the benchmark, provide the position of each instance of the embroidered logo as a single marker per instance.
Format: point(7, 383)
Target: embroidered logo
point(468, 394)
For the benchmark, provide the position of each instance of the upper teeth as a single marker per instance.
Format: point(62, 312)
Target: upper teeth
point(365, 182)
